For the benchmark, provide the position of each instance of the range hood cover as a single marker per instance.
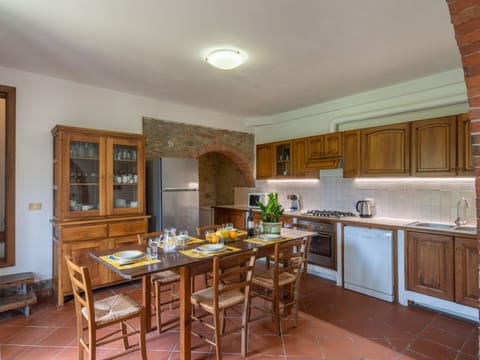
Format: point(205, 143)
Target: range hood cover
point(324, 163)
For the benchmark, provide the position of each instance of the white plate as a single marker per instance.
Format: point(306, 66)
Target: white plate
point(129, 254)
point(211, 247)
point(269, 237)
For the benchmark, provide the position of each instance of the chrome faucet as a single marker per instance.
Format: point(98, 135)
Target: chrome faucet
point(460, 220)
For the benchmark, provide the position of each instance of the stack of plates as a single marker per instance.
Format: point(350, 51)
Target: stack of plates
point(211, 247)
point(269, 237)
point(128, 256)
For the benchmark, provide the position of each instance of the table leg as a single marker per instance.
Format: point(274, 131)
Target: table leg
point(185, 313)
point(147, 300)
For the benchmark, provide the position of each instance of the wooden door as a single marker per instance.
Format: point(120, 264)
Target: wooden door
point(300, 160)
point(265, 161)
point(351, 154)
point(235, 216)
point(466, 271)
point(386, 150)
point(316, 147)
point(80, 253)
point(464, 146)
point(333, 144)
point(434, 145)
point(81, 191)
point(430, 263)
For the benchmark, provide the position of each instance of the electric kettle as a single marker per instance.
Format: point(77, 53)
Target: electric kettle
point(364, 208)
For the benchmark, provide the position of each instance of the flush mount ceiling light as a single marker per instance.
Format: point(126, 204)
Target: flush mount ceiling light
point(226, 59)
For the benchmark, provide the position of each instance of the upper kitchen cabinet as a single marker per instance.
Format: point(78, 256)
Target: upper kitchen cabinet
point(264, 159)
point(464, 146)
point(284, 159)
point(97, 173)
point(282, 152)
point(299, 156)
point(386, 150)
point(434, 145)
point(324, 151)
point(351, 153)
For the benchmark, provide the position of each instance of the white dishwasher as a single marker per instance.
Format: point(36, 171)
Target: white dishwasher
point(368, 261)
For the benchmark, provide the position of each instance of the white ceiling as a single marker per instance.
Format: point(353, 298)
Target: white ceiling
point(301, 52)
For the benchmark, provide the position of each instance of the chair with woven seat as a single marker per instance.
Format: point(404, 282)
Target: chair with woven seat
point(287, 269)
point(163, 282)
point(96, 315)
point(305, 227)
point(232, 277)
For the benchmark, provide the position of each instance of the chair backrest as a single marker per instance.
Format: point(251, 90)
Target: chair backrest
point(289, 257)
point(143, 238)
point(200, 230)
point(233, 272)
point(82, 289)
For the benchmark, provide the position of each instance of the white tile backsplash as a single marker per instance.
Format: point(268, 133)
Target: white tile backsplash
point(423, 199)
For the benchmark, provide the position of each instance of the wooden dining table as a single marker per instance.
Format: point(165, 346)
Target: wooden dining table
point(187, 266)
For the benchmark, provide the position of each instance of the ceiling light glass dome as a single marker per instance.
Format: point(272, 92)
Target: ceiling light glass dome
point(226, 59)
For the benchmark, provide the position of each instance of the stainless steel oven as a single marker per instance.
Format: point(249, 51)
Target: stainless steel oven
point(322, 246)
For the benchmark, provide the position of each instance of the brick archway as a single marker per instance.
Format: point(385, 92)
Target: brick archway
point(465, 17)
point(234, 154)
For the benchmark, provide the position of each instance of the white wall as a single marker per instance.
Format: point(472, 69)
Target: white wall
point(432, 96)
point(43, 102)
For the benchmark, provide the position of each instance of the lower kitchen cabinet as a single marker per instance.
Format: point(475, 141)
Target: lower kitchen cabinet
point(235, 216)
point(79, 238)
point(430, 264)
point(466, 271)
point(443, 266)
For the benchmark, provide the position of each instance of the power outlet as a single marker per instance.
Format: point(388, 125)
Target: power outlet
point(35, 206)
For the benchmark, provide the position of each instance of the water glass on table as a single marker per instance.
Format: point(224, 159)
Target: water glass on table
point(152, 249)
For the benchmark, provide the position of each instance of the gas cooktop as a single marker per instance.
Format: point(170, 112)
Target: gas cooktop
point(329, 213)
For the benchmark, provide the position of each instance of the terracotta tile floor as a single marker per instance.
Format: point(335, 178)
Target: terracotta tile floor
point(335, 324)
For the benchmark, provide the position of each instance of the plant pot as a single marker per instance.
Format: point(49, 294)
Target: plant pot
point(272, 227)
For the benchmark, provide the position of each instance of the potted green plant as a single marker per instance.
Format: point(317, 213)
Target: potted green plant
point(271, 213)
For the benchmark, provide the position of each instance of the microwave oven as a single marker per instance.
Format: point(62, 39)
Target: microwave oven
point(253, 198)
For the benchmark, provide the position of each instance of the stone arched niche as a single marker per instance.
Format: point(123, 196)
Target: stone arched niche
point(225, 157)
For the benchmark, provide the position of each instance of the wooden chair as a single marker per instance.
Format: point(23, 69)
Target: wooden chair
point(232, 277)
point(163, 281)
point(289, 259)
point(307, 248)
point(200, 230)
point(95, 315)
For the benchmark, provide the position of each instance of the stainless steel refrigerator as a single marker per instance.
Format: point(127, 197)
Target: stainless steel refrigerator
point(172, 194)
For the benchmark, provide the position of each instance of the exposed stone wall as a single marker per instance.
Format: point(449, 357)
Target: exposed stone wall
point(465, 17)
point(225, 157)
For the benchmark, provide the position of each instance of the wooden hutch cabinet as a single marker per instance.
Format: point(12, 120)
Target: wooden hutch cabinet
point(98, 198)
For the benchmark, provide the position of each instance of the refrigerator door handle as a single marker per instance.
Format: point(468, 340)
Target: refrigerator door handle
point(179, 189)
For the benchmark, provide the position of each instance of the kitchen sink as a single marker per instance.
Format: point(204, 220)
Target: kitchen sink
point(431, 225)
point(438, 226)
point(468, 228)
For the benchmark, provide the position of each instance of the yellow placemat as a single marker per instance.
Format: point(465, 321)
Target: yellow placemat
point(203, 254)
point(191, 241)
point(144, 261)
point(257, 241)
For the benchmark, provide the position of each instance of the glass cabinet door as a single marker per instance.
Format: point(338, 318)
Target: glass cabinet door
point(84, 176)
point(283, 161)
point(126, 173)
